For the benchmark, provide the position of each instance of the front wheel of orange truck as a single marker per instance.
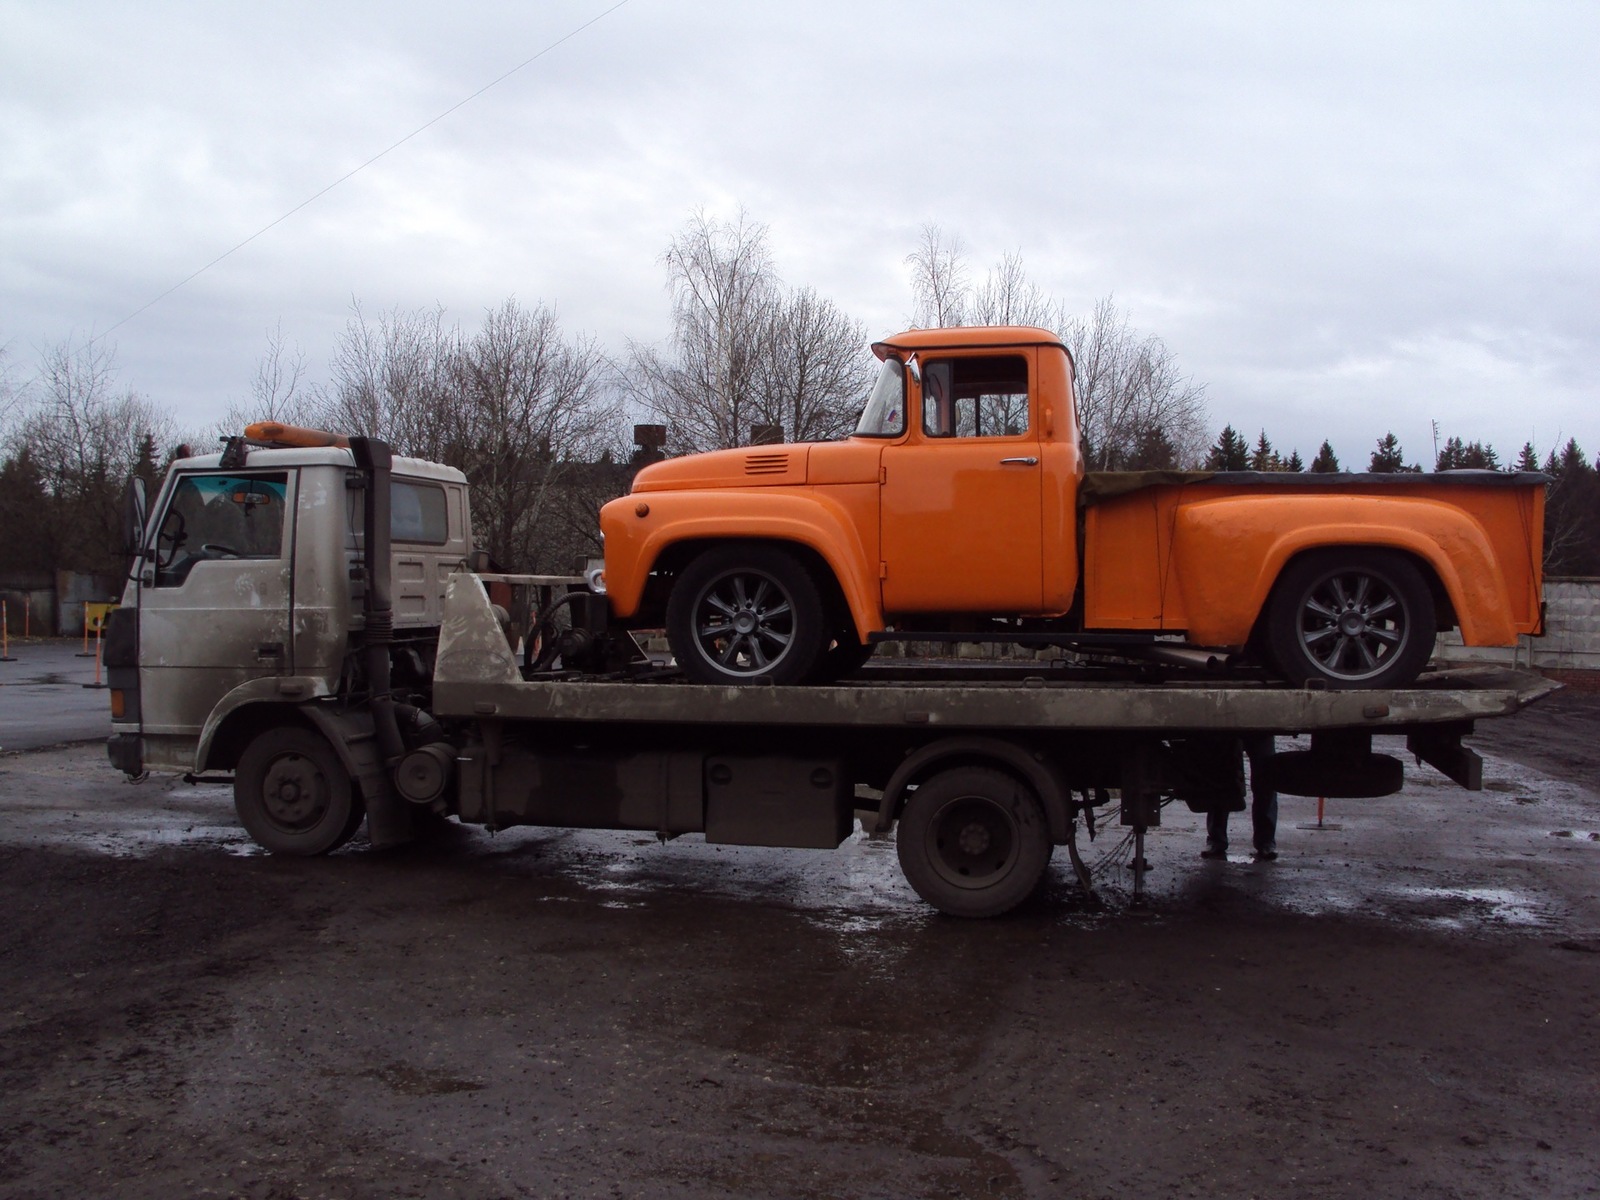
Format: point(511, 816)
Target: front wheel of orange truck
point(746, 614)
point(1351, 618)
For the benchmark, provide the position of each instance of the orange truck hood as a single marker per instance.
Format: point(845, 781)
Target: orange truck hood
point(852, 461)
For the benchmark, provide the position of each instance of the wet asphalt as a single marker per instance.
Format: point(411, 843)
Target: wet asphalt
point(44, 699)
point(1402, 1004)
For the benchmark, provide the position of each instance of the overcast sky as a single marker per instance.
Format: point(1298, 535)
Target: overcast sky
point(1342, 218)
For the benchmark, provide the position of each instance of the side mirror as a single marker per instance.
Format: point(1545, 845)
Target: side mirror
point(135, 508)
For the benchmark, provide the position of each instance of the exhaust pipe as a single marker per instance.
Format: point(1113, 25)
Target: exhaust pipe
point(376, 461)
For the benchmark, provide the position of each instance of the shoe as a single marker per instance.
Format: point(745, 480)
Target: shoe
point(1213, 850)
point(1269, 854)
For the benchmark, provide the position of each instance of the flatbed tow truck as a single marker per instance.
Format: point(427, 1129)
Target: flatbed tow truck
point(337, 661)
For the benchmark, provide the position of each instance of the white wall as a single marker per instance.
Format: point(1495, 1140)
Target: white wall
point(1571, 639)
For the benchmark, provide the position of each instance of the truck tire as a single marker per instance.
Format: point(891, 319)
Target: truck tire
point(746, 614)
point(1351, 619)
point(293, 795)
point(973, 842)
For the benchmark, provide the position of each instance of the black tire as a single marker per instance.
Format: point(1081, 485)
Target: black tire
point(1351, 619)
point(293, 794)
point(973, 842)
point(746, 614)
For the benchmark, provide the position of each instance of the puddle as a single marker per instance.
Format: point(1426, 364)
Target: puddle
point(1464, 907)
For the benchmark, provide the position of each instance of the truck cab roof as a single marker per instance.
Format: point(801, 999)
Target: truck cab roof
point(415, 468)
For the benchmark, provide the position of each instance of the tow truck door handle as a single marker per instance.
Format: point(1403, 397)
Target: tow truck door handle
point(1019, 462)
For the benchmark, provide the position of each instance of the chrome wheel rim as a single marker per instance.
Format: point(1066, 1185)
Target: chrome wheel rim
point(1353, 624)
point(744, 622)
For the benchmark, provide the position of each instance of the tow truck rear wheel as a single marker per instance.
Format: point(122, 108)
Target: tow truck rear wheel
point(293, 795)
point(973, 842)
point(746, 614)
point(1351, 618)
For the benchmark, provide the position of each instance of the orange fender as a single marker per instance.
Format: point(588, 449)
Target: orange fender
point(1230, 551)
point(640, 527)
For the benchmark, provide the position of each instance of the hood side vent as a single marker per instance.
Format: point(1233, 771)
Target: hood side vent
point(766, 464)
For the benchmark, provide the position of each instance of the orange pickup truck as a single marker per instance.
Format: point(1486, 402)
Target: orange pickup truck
point(960, 509)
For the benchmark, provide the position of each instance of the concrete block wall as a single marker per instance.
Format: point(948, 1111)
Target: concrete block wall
point(1571, 641)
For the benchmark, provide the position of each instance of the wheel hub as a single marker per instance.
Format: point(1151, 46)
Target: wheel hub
point(745, 621)
point(1353, 623)
point(293, 790)
point(974, 839)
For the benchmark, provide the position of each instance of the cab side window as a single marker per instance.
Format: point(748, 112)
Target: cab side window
point(978, 397)
point(220, 516)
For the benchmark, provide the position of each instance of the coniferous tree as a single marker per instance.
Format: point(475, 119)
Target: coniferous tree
point(1294, 462)
point(1264, 457)
point(1152, 452)
point(1449, 458)
point(1326, 462)
point(1387, 458)
point(27, 514)
point(1229, 453)
point(1572, 513)
point(1528, 459)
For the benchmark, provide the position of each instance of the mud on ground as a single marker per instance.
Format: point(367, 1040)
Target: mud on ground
point(1404, 1005)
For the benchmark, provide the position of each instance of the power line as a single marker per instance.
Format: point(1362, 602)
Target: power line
point(311, 199)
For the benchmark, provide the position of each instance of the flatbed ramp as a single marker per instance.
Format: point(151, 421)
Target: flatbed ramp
point(1026, 703)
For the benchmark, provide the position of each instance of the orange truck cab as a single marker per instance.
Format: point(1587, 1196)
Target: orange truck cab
point(959, 509)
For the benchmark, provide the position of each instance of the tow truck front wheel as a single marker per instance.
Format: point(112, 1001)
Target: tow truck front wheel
point(973, 842)
point(293, 795)
point(1351, 619)
point(746, 614)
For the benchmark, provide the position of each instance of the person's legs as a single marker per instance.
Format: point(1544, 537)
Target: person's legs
point(1216, 835)
point(1263, 798)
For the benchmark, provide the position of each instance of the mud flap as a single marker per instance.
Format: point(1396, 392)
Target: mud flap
point(389, 816)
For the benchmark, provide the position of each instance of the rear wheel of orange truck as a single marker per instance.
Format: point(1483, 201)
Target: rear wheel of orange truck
point(1351, 618)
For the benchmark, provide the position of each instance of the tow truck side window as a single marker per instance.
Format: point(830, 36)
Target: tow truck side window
point(220, 516)
point(418, 513)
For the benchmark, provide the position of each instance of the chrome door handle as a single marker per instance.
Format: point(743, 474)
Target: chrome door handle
point(1019, 462)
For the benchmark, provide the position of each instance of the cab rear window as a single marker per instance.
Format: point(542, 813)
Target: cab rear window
point(418, 512)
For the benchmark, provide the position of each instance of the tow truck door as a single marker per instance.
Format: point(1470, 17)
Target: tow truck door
point(215, 594)
point(961, 514)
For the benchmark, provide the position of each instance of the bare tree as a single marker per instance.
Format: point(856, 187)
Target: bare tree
point(724, 290)
point(517, 407)
point(84, 438)
point(745, 351)
point(1129, 386)
point(814, 372)
point(10, 394)
point(940, 289)
point(395, 379)
point(278, 391)
point(1008, 297)
point(535, 405)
